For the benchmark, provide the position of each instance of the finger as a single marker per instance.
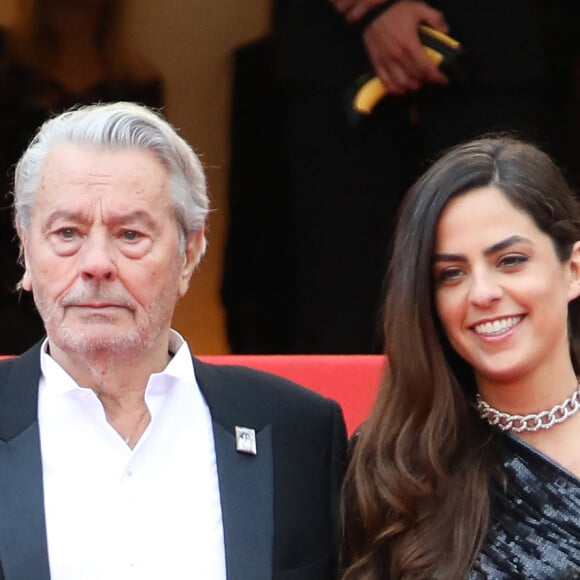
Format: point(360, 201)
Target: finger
point(400, 81)
point(438, 78)
point(353, 16)
point(434, 18)
point(425, 68)
point(410, 61)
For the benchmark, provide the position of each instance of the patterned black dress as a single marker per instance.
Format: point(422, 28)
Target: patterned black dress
point(535, 520)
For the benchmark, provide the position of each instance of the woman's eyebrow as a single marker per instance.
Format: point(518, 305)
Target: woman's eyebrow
point(515, 239)
point(449, 258)
point(498, 247)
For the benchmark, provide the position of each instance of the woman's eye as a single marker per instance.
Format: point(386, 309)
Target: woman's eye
point(450, 274)
point(512, 260)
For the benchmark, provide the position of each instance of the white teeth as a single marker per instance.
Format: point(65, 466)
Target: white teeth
point(497, 326)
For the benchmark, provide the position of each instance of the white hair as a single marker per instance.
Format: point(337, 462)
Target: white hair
point(118, 126)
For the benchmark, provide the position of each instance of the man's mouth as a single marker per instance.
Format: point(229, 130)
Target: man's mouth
point(97, 305)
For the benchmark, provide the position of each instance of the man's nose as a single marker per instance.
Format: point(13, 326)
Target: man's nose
point(485, 289)
point(96, 261)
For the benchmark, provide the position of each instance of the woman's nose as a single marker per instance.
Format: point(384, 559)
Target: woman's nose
point(484, 290)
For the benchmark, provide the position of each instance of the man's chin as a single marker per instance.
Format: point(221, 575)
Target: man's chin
point(96, 342)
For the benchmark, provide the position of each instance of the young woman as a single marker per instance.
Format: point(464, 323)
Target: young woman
point(469, 464)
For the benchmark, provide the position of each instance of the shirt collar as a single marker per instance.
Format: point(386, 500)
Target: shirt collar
point(180, 366)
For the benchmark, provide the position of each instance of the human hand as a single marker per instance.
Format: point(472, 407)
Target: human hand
point(354, 10)
point(395, 50)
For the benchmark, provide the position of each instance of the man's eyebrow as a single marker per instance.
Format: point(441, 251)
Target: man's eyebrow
point(64, 215)
point(498, 247)
point(137, 216)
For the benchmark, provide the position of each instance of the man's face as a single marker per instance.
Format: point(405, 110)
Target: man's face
point(102, 253)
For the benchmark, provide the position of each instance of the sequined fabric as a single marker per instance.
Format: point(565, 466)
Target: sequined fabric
point(535, 520)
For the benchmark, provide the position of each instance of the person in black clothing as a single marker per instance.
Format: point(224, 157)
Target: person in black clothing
point(344, 175)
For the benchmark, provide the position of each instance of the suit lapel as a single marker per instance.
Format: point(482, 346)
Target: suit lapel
point(23, 546)
point(246, 481)
point(246, 496)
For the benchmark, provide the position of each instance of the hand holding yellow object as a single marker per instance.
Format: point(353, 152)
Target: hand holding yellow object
point(441, 49)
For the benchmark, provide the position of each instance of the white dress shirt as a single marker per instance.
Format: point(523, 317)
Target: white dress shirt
point(113, 513)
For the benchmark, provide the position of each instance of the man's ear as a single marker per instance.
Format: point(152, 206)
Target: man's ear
point(194, 250)
point(574, 268)
point(26, 281)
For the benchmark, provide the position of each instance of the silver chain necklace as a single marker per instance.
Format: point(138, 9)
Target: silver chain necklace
point(532, 422)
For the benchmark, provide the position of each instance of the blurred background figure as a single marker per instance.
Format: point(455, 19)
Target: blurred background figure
point(326, 185)
point(258, 293)
point(60, 53)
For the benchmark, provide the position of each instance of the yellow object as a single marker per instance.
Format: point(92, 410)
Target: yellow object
point(370, 93)
point(440, 36)
point(438, 47)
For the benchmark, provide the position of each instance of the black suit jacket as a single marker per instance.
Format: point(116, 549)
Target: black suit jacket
point(278, 506)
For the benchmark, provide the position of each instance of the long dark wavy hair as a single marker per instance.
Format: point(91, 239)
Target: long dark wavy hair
point(416, 494)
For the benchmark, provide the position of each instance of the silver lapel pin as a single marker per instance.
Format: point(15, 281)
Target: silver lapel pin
point(246, 440)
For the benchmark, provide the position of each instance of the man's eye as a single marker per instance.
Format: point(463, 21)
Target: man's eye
point(131, 235)
point(67, 233)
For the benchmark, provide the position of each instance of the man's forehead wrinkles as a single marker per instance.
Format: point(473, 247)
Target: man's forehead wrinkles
point(99, 178)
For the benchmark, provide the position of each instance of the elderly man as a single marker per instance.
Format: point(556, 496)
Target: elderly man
point(122, 456)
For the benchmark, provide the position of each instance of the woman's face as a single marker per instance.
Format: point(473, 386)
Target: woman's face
point(501, 292)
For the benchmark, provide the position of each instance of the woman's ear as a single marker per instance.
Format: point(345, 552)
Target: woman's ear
point(574, 269)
